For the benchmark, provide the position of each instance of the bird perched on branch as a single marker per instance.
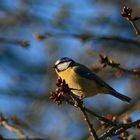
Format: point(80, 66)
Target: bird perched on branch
point(82, 81)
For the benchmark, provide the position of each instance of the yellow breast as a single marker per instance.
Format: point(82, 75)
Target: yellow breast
point(82, 86)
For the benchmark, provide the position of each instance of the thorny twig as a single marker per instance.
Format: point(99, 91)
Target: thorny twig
point(63, 94)
point(4, 123)
point(105, 61)
point(127, 13)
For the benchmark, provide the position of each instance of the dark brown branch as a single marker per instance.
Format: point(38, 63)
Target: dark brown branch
point(58, 98)
point(119, 129)
point(105, 61)
point(80, 106)
point(101, 118)
point(127, 13)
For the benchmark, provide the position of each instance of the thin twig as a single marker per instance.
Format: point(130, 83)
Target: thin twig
point(106, 61)
point(82, 109)
point(118, 129)
point(135, 27)
point(91, 129)
point(101, 118)
point(127, 13)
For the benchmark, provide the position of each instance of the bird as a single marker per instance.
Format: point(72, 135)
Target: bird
point(82, 81)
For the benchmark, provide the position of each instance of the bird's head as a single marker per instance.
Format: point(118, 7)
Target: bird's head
point(63, 64)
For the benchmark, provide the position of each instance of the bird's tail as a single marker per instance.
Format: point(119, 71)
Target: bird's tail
point(120, 96)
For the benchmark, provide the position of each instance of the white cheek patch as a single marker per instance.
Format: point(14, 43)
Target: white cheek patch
point(63, 66)
point(57, 62)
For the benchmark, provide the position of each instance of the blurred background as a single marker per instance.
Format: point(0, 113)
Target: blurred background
point(35, 33)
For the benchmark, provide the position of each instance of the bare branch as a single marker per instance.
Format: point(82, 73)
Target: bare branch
point(119, 129)
point(82, 109)
point(105, 61)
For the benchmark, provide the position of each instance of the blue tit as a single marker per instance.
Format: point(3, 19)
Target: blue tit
point(82, 81)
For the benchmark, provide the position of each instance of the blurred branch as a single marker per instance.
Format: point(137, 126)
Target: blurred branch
point(88, 36)
point(26, 126)
point(63, 94)
point(127, 13)
point(4, 123)
point(105, 61)
point(22, 43)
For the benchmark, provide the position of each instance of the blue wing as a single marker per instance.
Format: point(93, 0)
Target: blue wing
point(85, 72)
